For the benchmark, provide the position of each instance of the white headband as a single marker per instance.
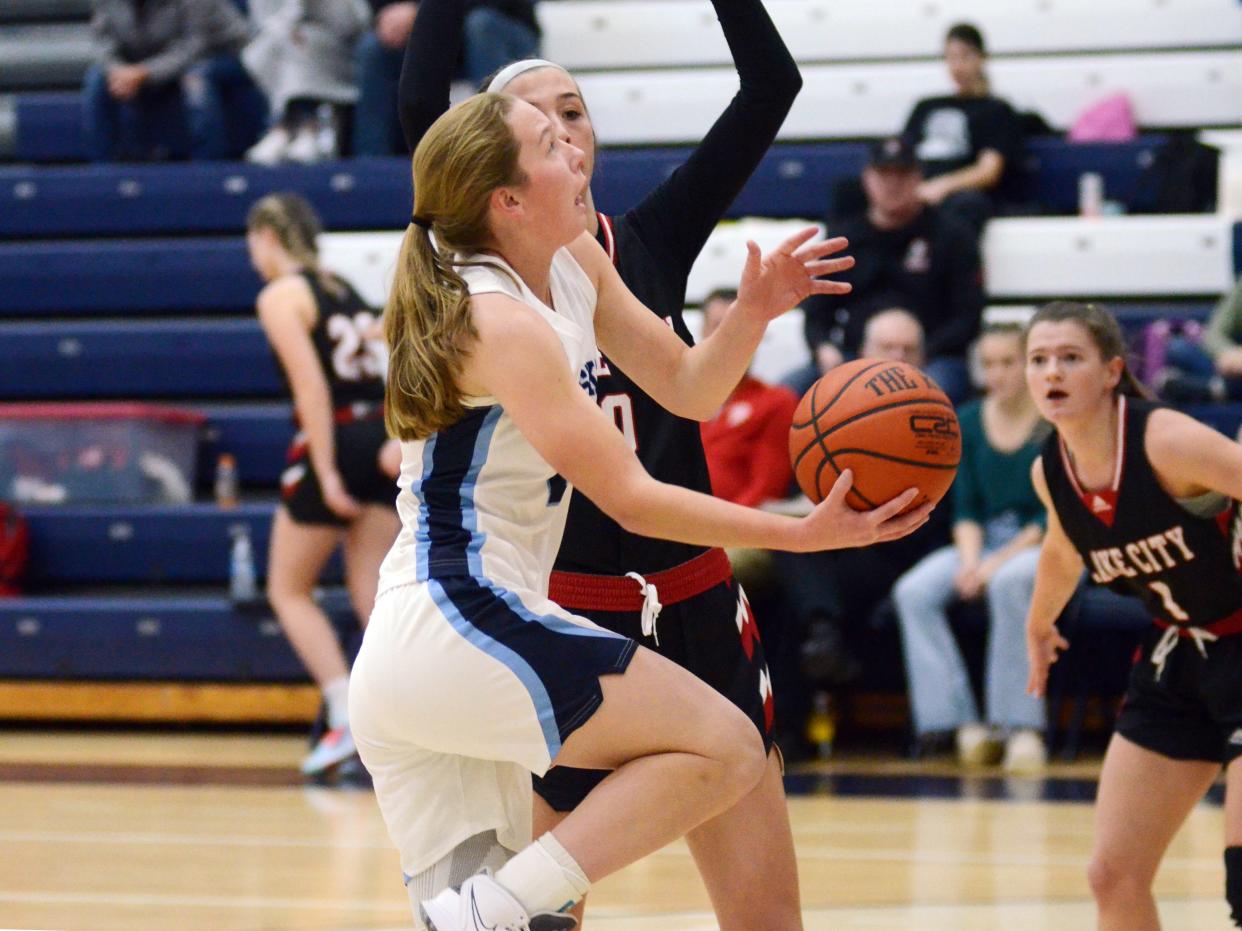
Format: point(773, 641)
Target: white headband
point(509, 72)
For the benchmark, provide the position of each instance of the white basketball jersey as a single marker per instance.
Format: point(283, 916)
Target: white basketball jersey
point(476, 499)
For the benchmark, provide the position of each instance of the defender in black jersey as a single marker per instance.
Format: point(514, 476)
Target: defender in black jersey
point(617, 578)
point(1147, 500)
point(334, 489)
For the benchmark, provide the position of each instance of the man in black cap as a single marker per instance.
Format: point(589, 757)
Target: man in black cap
point(908, 255)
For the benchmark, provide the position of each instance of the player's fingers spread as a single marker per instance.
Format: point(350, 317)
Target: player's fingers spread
point(823, 247)
point(790, 245)
point(828, 286)
point(830, 266)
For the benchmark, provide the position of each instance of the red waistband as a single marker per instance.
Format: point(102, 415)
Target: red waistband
point(582, 591)
point(1226, 626)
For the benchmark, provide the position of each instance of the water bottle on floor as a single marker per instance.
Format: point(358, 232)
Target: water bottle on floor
point(242, 587)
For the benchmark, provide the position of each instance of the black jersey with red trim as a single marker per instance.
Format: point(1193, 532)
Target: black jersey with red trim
point(352, 358)
point(1135, 538)
point(669, 447)
point(653, 246)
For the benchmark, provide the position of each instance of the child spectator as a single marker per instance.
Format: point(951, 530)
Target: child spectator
point(301, 55)
point(165, 75)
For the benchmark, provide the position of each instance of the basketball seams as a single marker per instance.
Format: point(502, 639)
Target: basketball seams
point(892, 405)
point(815, 415)
point(945, 467)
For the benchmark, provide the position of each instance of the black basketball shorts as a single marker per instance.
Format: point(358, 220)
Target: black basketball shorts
point(1193, 710)
point(713, 635)
point(358, 444)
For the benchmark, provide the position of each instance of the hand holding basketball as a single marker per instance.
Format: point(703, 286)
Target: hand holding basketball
point(834, 525)
point(883, 420)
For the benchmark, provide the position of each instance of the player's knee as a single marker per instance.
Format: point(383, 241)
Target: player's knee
point(744, 758)
point(1111, 878)
point(1233, 883)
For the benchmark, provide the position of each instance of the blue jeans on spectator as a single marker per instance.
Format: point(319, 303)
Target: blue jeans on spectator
point(940, 695)
point(490, 40)
point(213, 112)
point(1192, 376)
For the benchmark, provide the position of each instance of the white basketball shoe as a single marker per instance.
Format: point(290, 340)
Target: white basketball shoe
point(482, 904)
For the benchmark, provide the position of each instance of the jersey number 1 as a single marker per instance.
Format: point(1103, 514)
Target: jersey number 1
point(1166, 595)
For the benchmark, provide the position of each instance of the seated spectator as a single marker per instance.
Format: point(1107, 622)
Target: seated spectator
point(1211, 369)
point(747, 442)
point(494, 33)
point(964, 141)
point(996, 534)
point(166, 82)
point(831, 596)
point(302, 57)
point(907, 254)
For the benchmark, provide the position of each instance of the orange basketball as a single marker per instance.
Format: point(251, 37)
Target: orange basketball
point(888, 422)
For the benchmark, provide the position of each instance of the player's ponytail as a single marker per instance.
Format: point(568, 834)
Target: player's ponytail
point(1105, 333)
point(465, 155)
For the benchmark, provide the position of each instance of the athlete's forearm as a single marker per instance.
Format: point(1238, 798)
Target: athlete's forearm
point(427, 68)
point(1056, 577)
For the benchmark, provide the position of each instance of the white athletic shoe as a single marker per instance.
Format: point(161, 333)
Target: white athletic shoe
point(1025, 753)
point(976, 746)
point(270, 150)
point(336, 746)
point(482, 904)
point(305, 148)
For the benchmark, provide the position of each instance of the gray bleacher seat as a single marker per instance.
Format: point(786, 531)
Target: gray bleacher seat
point(44, 55)
point(590, 35)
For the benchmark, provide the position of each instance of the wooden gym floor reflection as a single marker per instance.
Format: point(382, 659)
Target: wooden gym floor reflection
point(159, 831)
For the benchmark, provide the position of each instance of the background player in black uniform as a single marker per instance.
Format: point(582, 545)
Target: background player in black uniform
point(746, 855)
point(1147, 499)
point(334, 489)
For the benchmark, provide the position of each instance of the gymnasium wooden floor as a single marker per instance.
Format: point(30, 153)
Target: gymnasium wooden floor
point(158, 831)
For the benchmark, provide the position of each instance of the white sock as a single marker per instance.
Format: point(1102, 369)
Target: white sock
point(544, 877)
point(336, 694)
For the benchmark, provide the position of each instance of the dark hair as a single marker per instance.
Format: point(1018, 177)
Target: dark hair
point(1104, 331)
point(967, 33)
point(728, 295)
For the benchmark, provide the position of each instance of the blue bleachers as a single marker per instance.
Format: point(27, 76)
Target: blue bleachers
point(794, 180)
point(119, 544)
point(183, 198)
point(120, 276)
point(257, 435)
point(144, 359)
point(180, 637)
point(49, 127)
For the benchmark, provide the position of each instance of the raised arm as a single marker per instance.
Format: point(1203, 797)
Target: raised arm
point(682, 212)
point(694, 381)
point(519, 360)
point(431, 54)
point(1056, 577)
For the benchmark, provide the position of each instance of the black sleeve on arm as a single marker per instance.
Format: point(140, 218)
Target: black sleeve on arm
point(427, 69)
point(682, 212)
point(964, 295)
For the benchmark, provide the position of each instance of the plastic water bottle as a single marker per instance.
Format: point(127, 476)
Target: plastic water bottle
point(242, 588)
point(325, 132)
point(821, 725)
point(226, 481)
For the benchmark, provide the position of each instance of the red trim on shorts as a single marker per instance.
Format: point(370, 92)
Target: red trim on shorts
point(1227, 626)
point(582, 591)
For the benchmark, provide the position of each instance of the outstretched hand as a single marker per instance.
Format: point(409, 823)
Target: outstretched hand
point(834, 525)
point(771, 284)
